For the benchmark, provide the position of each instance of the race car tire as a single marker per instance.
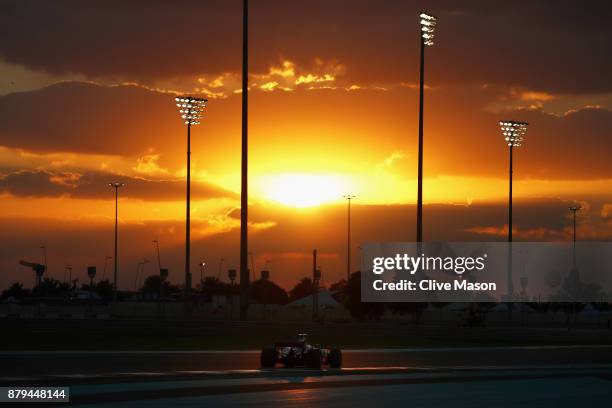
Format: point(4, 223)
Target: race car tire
point(335, 358)
point(268, 358)
point(314, 359)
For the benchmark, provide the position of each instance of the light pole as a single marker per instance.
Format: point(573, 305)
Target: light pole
point(244, 191)
point(574, 209)
point(191, 109)
point(156, 242)
point(348, 198)
point(116, 185)
point(514, 134)
point(428, 27)
point(202, 265)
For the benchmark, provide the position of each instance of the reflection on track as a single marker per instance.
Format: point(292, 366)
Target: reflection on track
point(297, 386)
point(280, 374)
point(296, 383)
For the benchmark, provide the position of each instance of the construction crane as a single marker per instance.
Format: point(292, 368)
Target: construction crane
point(39, 269)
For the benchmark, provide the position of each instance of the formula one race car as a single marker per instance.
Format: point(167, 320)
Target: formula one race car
point(300, 353)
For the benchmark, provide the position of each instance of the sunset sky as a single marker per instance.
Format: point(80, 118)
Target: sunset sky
point(87, 96)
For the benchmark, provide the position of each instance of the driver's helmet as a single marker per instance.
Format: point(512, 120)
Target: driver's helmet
point(302, 337)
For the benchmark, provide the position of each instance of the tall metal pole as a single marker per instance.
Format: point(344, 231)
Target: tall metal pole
point(510, 283)
point(188, 219)
point(574, 210)
point(348, 243)
point(574, 243)
point(574, 228)
point(116, 217)
point(348, 197)
point(510, 198)
point(419, 232)
point(244, 202)
point(315, 285)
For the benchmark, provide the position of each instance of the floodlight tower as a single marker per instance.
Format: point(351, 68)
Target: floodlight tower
point(574, 209)
point(514, 134)
point(116, 185)
point(191, 109)
point(428, 27)
point(348, 198)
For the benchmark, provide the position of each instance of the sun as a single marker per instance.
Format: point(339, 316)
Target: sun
point(302, 190)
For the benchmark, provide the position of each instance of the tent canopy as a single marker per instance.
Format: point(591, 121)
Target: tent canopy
point(326, 301)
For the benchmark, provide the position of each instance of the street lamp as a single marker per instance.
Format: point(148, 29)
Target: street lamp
point(574, 209)
point(116, 185)
point(348, 198)
point(514, 135)
point(202, 265)
point(428, 27)
point(191, 109)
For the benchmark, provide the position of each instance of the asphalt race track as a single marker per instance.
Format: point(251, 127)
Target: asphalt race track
point(108, 362)
point(522, 376)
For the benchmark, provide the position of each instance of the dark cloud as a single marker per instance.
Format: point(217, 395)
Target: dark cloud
point(124, 121)
point(129, 120)
point(137, 39)
point(560, 46)
point(459, 127)
point(94, 185)
point(86, 118)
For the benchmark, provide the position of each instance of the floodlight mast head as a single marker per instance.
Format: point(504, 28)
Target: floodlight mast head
point(116, 184)
point(428, 27)
point(514, 132)
point(575, 208)
point(190, 108)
